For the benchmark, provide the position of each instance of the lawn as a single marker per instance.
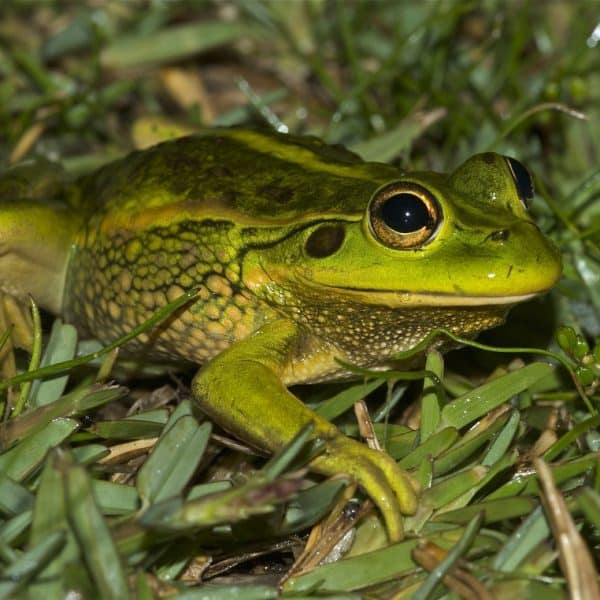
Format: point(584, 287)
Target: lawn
point(113, 486)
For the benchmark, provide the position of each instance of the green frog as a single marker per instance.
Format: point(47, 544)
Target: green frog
point(304, 258)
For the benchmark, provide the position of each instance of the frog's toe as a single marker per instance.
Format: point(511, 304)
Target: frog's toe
point(388, 486)
point(381, 491)
point(404, 486)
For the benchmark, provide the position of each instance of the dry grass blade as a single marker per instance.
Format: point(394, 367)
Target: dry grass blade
point(430, 555)
point(26, 141)
point(575, 560)
point(365, 425)
point(121, 453)
point(326, 537)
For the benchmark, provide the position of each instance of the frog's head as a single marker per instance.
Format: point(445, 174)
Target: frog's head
point(424, 240)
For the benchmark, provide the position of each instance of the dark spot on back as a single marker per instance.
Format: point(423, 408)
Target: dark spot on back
point(219, 171)
point(228, 197)
point(281, 195)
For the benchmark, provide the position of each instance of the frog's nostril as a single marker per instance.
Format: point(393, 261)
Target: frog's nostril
point(500, 235)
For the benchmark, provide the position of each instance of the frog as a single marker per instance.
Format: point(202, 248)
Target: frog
point(303, 258)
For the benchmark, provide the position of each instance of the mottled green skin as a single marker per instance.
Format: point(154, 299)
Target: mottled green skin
point(230, 213)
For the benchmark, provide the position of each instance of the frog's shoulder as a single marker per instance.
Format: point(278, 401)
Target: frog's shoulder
point(241, 174)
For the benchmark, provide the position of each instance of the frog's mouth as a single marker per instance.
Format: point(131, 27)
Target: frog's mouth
point(406, 298)
point(301, 285)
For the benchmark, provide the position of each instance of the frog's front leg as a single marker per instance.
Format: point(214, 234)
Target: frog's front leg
point(241, 389)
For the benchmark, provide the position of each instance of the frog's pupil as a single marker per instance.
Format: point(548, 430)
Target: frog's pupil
point(522, 178)
point(405, 213)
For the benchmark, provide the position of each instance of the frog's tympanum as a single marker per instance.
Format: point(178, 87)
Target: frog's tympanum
point(302, 254)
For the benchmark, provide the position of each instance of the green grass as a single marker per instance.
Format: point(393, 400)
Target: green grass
point(85, 505)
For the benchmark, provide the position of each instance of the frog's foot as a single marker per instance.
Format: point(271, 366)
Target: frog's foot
point(389, 486)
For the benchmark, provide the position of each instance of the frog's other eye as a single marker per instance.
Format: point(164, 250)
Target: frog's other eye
point(325, 241)
point(523, 180)
point(404, 216)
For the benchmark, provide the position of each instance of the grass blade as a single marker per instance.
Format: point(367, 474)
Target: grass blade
point(480, 401)
point(173, 460)
point(92, 533)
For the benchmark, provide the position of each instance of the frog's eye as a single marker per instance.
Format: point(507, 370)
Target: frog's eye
point(523, 180)
point(404, 216)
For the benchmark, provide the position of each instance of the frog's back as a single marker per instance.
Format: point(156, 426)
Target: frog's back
point(252, 177)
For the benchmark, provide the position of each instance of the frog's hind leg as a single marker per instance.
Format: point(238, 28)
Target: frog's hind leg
point(35, 246)
point(38, 227)
point(15, 318)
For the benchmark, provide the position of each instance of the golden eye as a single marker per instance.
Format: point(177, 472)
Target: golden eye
point(404, 216)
